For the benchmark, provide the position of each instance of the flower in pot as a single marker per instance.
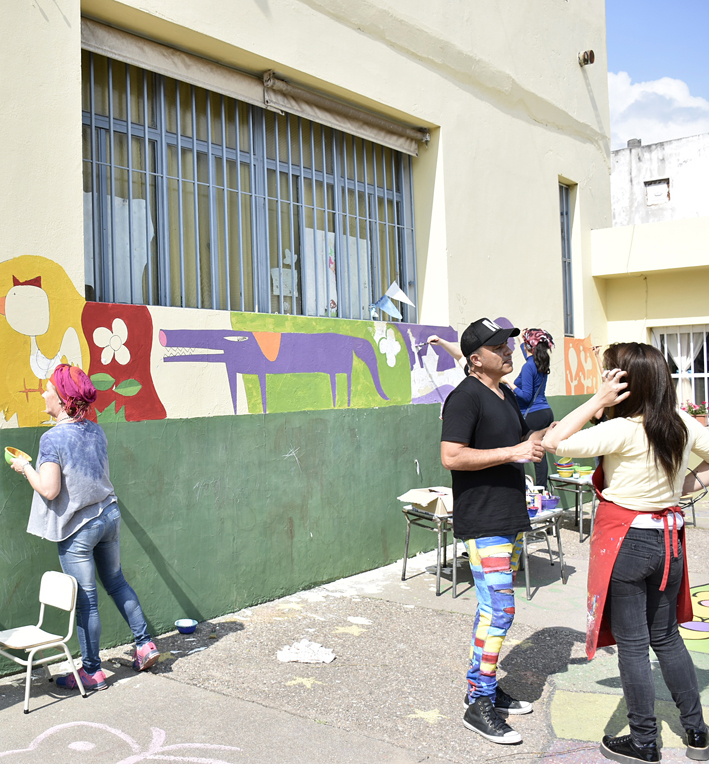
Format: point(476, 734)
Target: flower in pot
point(697, 410)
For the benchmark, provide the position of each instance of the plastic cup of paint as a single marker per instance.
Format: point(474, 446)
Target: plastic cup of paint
point(186, 625)
point(15, 453)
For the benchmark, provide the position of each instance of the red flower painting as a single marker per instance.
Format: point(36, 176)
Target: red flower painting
point(120, 339)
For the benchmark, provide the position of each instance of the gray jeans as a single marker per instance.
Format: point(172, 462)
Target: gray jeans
point(641, 616)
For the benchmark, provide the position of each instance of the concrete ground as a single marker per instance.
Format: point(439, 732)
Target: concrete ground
point(393, 694)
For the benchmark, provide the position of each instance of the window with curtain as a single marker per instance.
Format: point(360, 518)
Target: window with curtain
point(195, 199)
point(685, 349)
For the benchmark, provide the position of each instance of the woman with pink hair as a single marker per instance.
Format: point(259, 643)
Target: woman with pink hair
point(530, 388)
point(75, 505)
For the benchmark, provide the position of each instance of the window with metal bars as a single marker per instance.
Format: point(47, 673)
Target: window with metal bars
point(565, 215)
point(195, 199)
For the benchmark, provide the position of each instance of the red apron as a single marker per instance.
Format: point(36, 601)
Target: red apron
point(610, 527)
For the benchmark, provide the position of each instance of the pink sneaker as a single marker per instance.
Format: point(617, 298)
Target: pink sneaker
point(95, 681)
point(145, 656)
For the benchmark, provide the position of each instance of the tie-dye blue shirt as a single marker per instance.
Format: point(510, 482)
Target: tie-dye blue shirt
point(80, 449)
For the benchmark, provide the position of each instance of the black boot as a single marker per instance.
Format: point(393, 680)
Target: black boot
point(697, 745)
point(625, 751)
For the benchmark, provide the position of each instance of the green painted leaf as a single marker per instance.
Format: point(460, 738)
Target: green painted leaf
point(129, 387)
point(109, 414)
point(102, 381)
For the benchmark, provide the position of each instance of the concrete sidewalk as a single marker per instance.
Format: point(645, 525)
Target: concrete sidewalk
point(394, 693)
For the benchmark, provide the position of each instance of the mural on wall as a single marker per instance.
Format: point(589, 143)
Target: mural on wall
point(262, 353)
point(582, 371)
point(40, 327)
point(156, 362)
point(434, 373)
point(120, 340)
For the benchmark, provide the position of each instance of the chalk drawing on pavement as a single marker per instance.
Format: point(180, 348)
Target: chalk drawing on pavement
point(137, 753)
point(696, 632)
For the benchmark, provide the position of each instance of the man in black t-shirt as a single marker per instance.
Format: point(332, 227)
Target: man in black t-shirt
point(484, 442)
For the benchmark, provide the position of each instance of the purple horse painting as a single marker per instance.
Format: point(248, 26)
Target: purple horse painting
point(262, 353)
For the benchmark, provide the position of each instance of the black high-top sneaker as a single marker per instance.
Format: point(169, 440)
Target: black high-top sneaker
point(625, 751)
point(506, 703)
point(482, 718)
point(697, 745)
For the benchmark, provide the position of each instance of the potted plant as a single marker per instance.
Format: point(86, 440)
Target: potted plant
point(697, 410)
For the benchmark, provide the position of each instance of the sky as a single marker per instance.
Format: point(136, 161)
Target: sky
point(658, 69)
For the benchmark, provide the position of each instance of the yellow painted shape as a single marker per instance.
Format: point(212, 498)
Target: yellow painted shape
point(20, 389)
point(306, 681)
point(290, 606)
point(688, 634)
point(700, 596)
point(431, 717)
point(354, 630)
point(590, 716)
point(166, 657)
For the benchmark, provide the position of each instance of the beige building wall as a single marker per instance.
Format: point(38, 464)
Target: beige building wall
point(510, 111)
point(653, 274)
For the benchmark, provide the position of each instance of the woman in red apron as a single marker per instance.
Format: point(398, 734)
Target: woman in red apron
point(638, 589)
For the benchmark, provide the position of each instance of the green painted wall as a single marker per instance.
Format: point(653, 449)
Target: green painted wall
point(217, 516)
point(225, 512)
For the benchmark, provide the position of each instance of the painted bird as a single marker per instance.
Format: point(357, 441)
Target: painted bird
point(26, 308)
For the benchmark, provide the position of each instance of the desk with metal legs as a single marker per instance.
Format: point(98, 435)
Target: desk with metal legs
point(439, 524)
point(577, 486)
point(541, 523)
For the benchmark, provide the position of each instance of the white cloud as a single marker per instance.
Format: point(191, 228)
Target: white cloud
point(661, 110)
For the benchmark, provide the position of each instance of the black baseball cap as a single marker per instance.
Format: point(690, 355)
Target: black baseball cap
point(484, 332)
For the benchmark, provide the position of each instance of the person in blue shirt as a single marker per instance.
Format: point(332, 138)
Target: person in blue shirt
point(530, 388)
point(75, 505)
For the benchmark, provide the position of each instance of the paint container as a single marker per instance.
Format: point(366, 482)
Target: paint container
point(15, 453)
point(186, 625)
point(550, 503)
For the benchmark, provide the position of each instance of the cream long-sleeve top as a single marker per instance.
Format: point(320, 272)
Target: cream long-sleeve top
point(631, 478)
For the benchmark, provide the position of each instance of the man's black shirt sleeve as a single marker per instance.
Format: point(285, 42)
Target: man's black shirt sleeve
point(460, 417)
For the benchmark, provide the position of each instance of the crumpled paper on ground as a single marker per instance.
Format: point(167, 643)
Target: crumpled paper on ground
point(306, 651)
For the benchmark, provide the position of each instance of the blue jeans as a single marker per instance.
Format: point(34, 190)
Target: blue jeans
point(641, 616)
point(95, 547)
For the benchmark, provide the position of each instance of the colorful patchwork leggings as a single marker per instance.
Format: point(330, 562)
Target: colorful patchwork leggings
point(494, 561)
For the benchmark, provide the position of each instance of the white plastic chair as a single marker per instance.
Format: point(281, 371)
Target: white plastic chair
point(56, 590)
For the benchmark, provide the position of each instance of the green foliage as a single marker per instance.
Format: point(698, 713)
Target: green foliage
point(109, 414)
point(129, 387)
point(102, 381)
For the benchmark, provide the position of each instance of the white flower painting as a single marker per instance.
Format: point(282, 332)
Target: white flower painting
point(113, 342)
